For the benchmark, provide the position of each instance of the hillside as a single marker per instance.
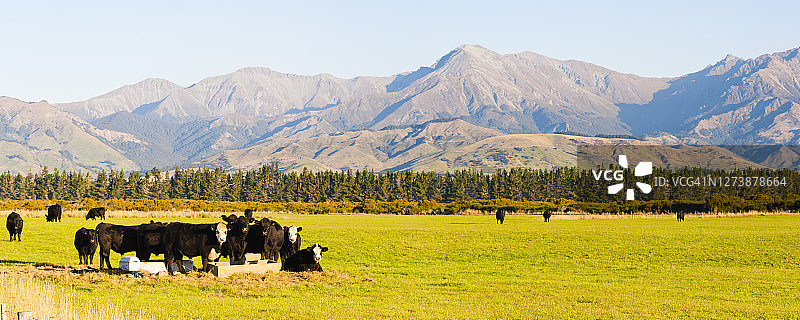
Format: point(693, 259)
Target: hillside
point(33, 135)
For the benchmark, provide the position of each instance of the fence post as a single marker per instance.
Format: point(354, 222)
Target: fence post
point(3, 311)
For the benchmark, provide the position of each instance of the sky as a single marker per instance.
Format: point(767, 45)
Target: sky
point(63, 51)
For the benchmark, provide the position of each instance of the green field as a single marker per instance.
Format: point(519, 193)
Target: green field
point(467, 267)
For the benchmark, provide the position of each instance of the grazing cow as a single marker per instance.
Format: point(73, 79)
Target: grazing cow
point(86, 244)
point(191, 240)
point(236, 243)
point(54, 213)
point(96, 213)
point(149, 240)
point(14, 226)
point(547, 214)
point(121, 239)
point(500, 215)
point(291, 242)
point(273, 238)
point(305, 260)
point(681, 215)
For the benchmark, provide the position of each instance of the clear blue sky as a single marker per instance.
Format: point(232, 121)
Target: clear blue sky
point(63, 51)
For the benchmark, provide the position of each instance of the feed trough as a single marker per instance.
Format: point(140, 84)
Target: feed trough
point(226, 269)
point(133, 264)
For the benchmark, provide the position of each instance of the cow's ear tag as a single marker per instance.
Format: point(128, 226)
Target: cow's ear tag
point(324, 249)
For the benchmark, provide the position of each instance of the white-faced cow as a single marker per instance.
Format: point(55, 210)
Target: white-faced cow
point(14, 226)
point(305, 260)
point(291, 242)
point(191, 240)
point(54, 213)
point(86, 244)
point(95, 213)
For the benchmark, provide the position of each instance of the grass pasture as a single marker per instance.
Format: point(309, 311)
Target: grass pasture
point(467, 267)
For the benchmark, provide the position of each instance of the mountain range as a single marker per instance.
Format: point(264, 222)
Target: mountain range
point(472, 108)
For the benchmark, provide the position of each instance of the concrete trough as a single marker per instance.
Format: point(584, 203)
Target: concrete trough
point(225, 269)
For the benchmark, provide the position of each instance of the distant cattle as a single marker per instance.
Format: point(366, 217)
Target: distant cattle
point(291, 242)
point(273, 238)
point(547, 214)
point(681, 215)
point(14, 226)
point(149, 240)
point(236, 242)
point(305, 260)
point(191, 240)
point(54, 213)
point(96, 213)
point(86, 244)
point(121, 239)
point(500, 215)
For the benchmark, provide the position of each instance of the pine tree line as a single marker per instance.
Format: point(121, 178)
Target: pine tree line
point(269, 184)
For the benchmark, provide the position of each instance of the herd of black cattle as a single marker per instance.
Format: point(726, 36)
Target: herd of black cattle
point(233, 238)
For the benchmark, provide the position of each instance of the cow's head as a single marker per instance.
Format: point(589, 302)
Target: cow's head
point(266, 224)
point(242, 224)
point(317, 250)
point(291, 233)
point(221, 232)
point(90, 234)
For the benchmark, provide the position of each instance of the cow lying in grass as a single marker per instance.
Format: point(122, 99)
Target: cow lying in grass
point(305, 260)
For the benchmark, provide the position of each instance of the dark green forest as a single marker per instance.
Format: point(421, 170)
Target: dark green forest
point(764, 188)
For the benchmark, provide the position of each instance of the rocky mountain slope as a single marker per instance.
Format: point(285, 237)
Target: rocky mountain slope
point(411, 120)
point(33, 135)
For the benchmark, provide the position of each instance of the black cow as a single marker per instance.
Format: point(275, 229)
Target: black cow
point(305, 260)
point(500, 215)
point(248, 213)
point(254, 241)
point(273, 238)
point(96, 213)
point(121, 239)
point(547, 214)
point(191, 240)
point(236, 242)
point(291, 242)
point(86, 244)
point(149, 240)
point(681, 215)
point(54, 213)
point(14, 226)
